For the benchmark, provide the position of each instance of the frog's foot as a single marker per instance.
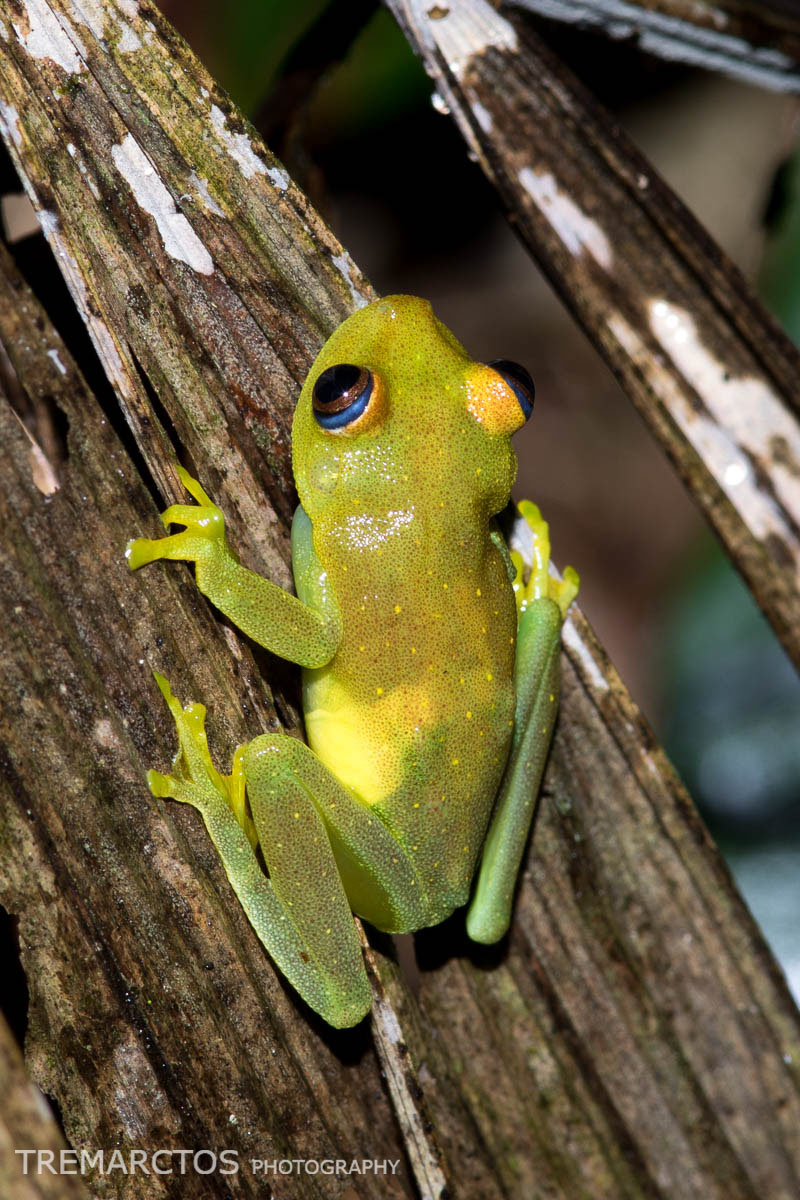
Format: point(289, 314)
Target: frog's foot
point(203, 537)
point(540, 582)
point(195, 779)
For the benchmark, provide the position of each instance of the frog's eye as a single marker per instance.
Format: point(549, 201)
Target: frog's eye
point(518, 380)
point(341, 395)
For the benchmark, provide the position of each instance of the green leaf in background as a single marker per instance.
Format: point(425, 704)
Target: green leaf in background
point(379, 79)
point(779, 283)
point(245, 51)
point(732, 711)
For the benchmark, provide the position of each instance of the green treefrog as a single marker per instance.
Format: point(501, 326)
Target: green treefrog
point(430, 668)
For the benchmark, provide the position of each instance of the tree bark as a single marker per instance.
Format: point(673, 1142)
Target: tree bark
point(752, 40)
point(711, 373)
point(29, 1137)
point(632, 1037)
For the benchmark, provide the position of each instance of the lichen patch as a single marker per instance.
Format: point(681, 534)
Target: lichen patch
point(179, 239)
point(47, 38)
point(577, 231)
point(238, 145)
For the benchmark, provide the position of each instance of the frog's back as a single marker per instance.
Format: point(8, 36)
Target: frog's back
point(414, 712)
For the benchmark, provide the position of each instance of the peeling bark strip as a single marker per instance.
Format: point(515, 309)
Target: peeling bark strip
point(402, 1081)
point(717, 382)
point(754, 41)
point(179, 239)
point(27, 1124)
point(634, 1039)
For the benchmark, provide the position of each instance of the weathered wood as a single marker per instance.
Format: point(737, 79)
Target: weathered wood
point(752, 40)
point(602, 1051)
point(155, 1018)
point(30, 1141)
point(716, 380)
point(222, 316)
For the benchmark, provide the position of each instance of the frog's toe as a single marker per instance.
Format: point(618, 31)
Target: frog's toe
point(140, 551)
point(162, 785)
point(194, 488)
point(203, 538)
point(205, 518)
point(195, 773)
point(541, 583)
point(564, 590)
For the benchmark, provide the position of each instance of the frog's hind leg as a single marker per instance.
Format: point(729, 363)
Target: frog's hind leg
point(327, 968)
point(300, 812)
point(542, 604)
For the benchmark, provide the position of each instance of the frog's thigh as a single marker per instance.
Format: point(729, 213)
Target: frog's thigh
point(325, 851)
point(325, 968)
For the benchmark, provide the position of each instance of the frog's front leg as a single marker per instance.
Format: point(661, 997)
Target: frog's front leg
point(305, 633)
point(325, 853)
point(542, 605)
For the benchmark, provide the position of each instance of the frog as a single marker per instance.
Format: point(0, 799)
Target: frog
point(430, 663)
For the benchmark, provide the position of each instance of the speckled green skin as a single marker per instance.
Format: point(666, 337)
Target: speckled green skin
point(406, 626)
point(414, 711)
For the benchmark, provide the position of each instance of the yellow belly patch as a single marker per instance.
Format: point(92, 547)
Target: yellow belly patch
point(365, 746)
point(369, 770)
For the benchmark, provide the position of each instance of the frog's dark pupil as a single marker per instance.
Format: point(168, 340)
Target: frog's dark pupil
point(518, 379)
point(339, 386)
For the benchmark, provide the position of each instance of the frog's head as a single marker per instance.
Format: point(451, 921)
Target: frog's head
point(394, 407)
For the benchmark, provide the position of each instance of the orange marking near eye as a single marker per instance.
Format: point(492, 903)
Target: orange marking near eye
point(492, 402)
